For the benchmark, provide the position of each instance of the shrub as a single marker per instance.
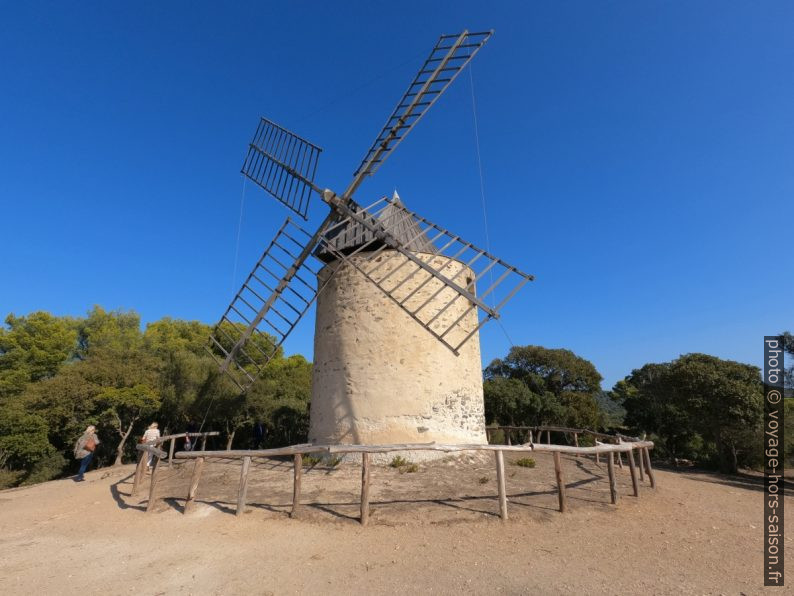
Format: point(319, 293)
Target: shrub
point(49, 467)
point(398, 462)
point(525, 462)
point(402, 464)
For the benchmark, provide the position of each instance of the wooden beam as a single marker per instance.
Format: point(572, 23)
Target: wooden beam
point(194, 482)
point(171, 452)
point(297, 472)
point(641, 466)
point(278, 451)
point(343, 448)
point(620, 460)
point(243, 485)
point(139, 470)
point(153, 485)
point(560, 481)
point(633, 470)
point(500, 481)
point(613, 488)
point(364, 488)
point(204, 442)
point(648, 467)
point(548, 437)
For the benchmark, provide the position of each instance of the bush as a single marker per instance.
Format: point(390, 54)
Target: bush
point(47, 468)
point(403, 465)
point(525, 462)
point(10, 478)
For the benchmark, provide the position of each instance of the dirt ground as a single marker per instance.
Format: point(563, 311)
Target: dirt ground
point(433, 531)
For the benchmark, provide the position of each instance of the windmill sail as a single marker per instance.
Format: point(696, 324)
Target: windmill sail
point(282, 163)
point(272, 300)
point(449, 56)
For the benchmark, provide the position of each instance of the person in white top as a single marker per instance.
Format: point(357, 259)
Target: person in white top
point(150, 437)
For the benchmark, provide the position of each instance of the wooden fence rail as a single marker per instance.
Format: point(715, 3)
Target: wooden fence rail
point(612, 449)
point(172, 441)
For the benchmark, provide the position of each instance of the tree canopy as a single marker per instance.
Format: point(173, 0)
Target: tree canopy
point(534, 385)
point(60, 374)
point(697, 407)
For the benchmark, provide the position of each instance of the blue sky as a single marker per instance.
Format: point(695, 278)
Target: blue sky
point(637, 157)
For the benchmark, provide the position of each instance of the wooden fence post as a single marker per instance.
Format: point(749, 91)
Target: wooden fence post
point(364, 488)
point(500, 481)
point(153, 485)
point(194, 482)
point(641, 466)
point(613, 488)
point(171, 452)
point(633, 470)
point(507, 436)
point(648, 467)
point(243, 485)
point(139, 472)
point(548, 437)
point(204, 442)
point(297, 462)
point(560, 481)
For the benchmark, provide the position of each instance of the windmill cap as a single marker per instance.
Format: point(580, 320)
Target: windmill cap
point(394, 217)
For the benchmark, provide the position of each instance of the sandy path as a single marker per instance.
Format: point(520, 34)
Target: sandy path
point(434, 531)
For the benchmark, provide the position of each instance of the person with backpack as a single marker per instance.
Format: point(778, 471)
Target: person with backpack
point(84, 450)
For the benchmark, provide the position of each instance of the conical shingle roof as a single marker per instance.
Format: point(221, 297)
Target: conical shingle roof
point(394, 218)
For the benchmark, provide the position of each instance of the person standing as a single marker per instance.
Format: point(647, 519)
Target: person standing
point(190, 442)
point(151, 437)
point(84, 450)
point(259, 434)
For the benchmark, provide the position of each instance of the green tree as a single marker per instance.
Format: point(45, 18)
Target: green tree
point(697, 406)
point(33, 348)
point(280, 398)
point(559, 388)
point(788, 348)
point(647, 396)
point(725, 400)
point(171, 336)
point(109, 331)
point(23, 438)
point(123, 408)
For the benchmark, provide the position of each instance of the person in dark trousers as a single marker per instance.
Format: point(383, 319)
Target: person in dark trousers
point(259, 434)
point(84, 450)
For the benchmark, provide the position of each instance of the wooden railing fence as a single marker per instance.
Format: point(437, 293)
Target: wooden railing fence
point(618, 444)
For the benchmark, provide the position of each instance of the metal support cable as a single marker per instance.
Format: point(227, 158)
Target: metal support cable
point(237, 243)
point(482, 191)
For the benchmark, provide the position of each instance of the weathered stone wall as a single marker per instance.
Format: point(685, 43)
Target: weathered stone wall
point(379, 376)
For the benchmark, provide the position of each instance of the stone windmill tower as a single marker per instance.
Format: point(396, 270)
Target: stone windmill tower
point(400, 300)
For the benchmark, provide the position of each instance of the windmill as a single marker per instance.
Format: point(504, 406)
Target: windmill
point(389, 284)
